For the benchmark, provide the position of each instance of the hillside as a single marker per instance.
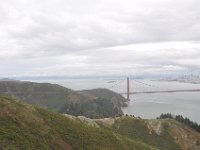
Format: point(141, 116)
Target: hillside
point(103, 103)
point(164, 134)
point(96, 103)
point(47, 95)
point(117, 99)
point(24, 126)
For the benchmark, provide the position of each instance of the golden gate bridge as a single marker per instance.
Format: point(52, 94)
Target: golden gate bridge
point(130, 84)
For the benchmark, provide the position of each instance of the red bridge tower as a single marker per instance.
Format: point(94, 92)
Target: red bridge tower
point(128, 89)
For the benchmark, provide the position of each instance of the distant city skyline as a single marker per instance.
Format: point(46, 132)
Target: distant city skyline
point(75, 38)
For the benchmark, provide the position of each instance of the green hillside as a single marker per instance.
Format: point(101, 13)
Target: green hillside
point(98, 103)
point(24, 126)
point(165, 134)
point(138, 129)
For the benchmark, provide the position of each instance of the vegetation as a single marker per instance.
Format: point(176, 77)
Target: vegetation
point(97, 108)
point(115, 98)
point(138, 129)
point(181, 119)
point(97, 103)
point(46, 95)
point(24, 126)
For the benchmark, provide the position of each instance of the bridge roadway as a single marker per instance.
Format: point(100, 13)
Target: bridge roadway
point(167, 91)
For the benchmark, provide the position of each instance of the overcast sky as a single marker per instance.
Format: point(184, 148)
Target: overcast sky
point(99, 37)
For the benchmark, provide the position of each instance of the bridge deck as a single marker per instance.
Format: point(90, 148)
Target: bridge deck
point(167, 91)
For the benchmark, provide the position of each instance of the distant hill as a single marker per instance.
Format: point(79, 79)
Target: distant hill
point(24, 126)
point(7, 79)
point(96, 103)
point(100, 104)
point(117, 99)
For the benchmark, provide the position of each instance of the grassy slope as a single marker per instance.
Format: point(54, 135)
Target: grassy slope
point(186, 137)
point(138, 129)
point(24, 126)
point(165, 134)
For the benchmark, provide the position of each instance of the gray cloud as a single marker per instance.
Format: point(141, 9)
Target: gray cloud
point(98, 37)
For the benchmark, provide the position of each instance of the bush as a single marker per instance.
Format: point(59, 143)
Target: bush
point(181, 119)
